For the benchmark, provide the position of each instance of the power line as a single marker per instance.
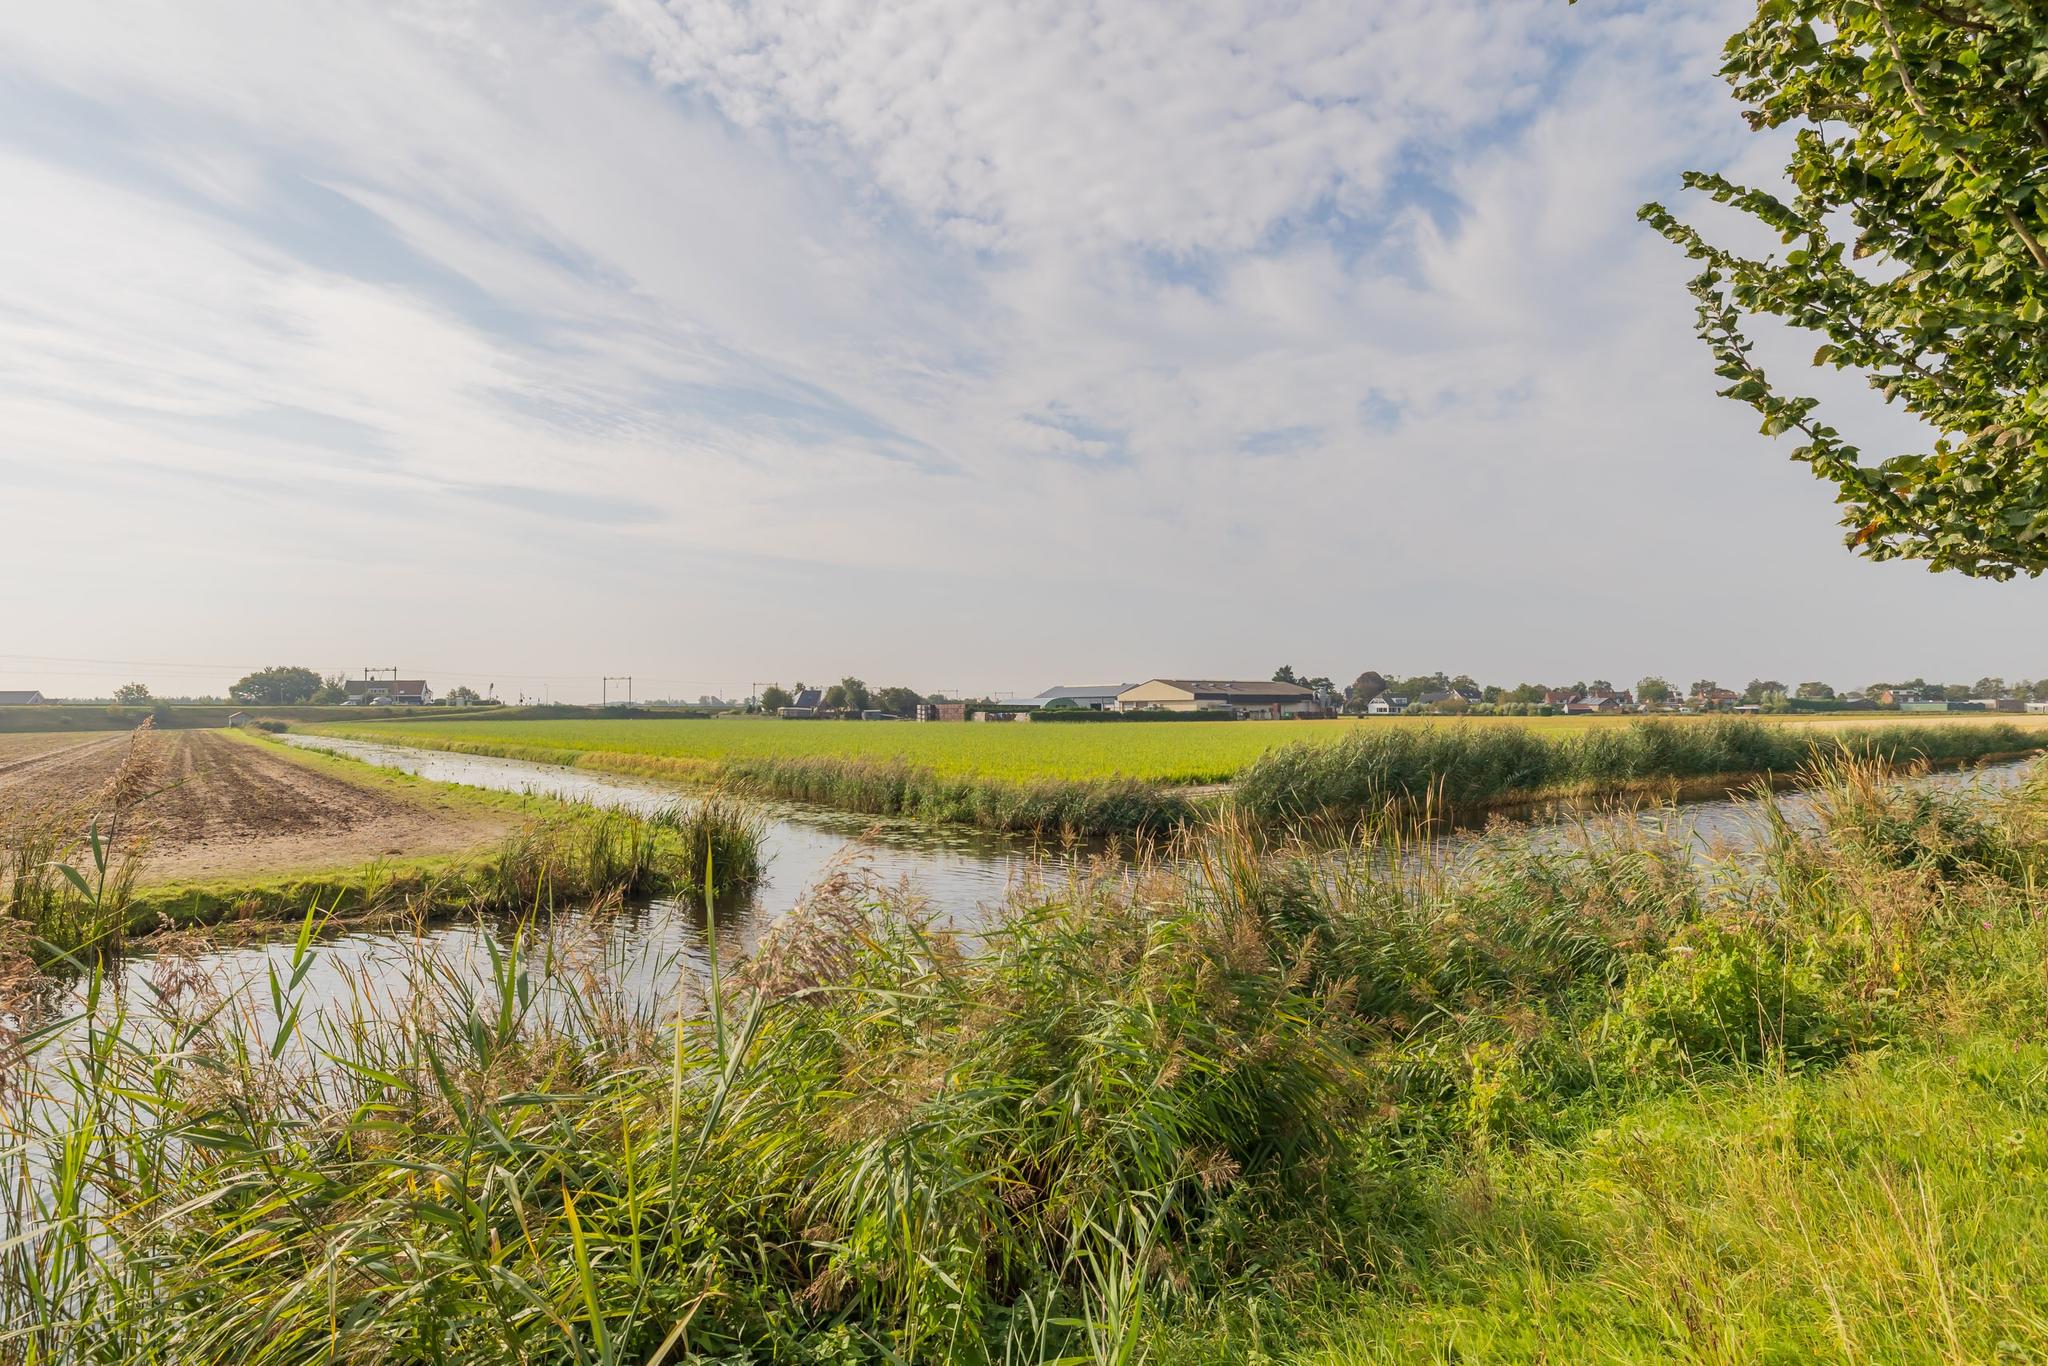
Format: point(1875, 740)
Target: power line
point(191, 666)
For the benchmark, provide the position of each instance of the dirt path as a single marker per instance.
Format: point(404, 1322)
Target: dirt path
point(222, 805)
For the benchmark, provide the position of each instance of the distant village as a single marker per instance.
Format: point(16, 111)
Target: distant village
point(1284, 696)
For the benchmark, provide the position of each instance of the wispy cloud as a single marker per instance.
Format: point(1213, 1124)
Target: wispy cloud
point(769, 295)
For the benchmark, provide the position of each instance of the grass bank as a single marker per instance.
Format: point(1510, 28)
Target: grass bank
point(867, 786)
point(1259, 1104)
point(1468, 770)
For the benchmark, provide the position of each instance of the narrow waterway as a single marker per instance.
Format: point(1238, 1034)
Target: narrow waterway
point(959, 875)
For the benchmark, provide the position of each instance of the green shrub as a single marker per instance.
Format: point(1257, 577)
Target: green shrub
point(1726, 993)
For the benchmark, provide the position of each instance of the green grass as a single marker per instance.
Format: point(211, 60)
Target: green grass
point(1890, 1211)
point(1537, 1103)
point(1118, 780)
point(1002, 751)
point(1007, 752)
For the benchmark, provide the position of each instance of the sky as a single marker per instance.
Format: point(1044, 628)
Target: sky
point(978, 348)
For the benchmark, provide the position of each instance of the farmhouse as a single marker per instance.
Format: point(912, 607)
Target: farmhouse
point(1451, 698)
point(1248, 700)
point(1386, 704)
point(388, 692)
point(804, 706)
point(31, 698)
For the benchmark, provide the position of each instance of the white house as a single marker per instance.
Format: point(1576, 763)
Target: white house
point(388, 692)
point(1386, 704)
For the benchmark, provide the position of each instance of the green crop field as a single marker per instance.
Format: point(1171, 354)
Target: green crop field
point(1209, 752)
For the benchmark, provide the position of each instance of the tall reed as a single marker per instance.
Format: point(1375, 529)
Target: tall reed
point(1147, 1087)
point(1473, 768)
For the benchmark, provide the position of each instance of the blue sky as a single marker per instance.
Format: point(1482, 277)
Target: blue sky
point(974, 347)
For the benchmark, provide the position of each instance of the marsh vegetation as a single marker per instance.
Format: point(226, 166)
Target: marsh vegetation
point(1253, 1099)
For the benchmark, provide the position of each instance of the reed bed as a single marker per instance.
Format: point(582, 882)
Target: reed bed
point(1139, 1102)
point(1106, 807)
point(74, 897)
point(1459, 769)
point(719, 841)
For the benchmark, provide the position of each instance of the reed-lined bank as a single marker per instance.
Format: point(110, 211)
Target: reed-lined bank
point(1087, 809)
point(72, 892)
point(1462, 770)
point(873, 787)
point(1185, 1112)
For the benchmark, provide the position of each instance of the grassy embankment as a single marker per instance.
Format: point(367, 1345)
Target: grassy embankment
point(556, 852)
point(1130, 779)
point(1549, 1105)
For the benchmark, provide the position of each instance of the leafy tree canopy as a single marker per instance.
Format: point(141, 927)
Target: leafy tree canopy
point(773, 698)
point(130, 694)
point(1653, 689)
point(1916, 225)
point(1414, 688)
point(279, 685)
point(898, 701)
point(1365, 688)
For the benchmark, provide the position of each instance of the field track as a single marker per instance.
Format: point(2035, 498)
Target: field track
point(221, 805)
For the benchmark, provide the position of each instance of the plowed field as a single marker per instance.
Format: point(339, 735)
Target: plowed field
point(216, 804)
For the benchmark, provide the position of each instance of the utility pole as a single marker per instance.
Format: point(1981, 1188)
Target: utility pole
point(604, 689)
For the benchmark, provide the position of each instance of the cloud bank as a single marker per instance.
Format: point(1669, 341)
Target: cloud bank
point(981, 346)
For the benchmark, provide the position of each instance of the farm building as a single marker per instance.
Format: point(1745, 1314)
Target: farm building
point(942, 711)
point(31, 698)
point(1386, 704)
point(388, 692)
point(1088, 696)
point(1248, 699)
point(804, 706)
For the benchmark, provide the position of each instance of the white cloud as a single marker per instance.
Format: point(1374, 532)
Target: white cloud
point(720, 312)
